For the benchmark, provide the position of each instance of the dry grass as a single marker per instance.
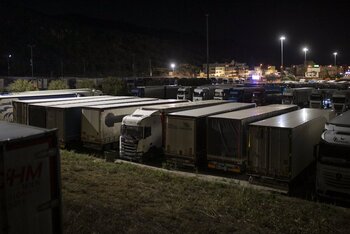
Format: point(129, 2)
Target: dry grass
point(102, 197)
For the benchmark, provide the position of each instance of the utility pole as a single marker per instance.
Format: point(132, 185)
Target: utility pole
point(8, 65)
point(207, 19)
point(32, 64)
point(150, 68)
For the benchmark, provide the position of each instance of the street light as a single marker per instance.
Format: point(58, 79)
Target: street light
point(8, 64)
point(305, 50)
point(335, 58)
point(282, 38)
point(31, 59)
point(173, 67)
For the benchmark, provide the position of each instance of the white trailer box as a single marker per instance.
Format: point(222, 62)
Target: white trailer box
point(100, 125)
point(281, 147)
point(20, 107)
point(186, 133)
point(30, 183)
point(6, 109)
point(227, 135)
point(37, 112)
point(67, 118)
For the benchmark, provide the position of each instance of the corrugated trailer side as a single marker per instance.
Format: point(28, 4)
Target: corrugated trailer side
point(227, 135)
point(106, 131)
point(30, 190)
point(282, 147)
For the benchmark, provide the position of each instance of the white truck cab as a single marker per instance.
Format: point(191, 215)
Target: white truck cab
point(333, 160)
point(140, 133)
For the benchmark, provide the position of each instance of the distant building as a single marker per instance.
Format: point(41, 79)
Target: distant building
point(226, 70)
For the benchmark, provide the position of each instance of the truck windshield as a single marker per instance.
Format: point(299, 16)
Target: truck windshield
point(338, 100)
point(218, 93)
point(182, 92)
point(334, 154)
point(316, 97)
point(133, 132)
point(198, 94)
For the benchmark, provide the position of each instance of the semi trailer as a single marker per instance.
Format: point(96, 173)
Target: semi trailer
point(37, 113)
point(227, 135)
point(186, 133)
point(101, 124)
point(281, 148)
point(30, 186)
point(143, 132)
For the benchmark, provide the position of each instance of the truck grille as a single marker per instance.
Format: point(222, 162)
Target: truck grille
point(336, 179)
point(128, 149)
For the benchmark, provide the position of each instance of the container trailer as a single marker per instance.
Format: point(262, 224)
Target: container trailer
point(101, 124)
point(67, 118)
point(6, 108)
point(30, 185)
point(20, 107)
point(36, 115)
point(186, 133)
point(227, 135)
point(281, 148)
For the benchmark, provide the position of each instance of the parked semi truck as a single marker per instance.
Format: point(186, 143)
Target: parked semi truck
point(341, 101)
point(203, 93)
point(222, 93)
point(30, 187)
point(185, 93)
point(143, 132)
point(67, 118)
point(321, 98)
point(6, 108)
point(281, 147)
point(161, 91)
point(227, 135)
point(100, 124)
point(20, 107)
point(243, 94)
point(297, 96)
point(186, 133)
point(333, 159)
point(37, 112)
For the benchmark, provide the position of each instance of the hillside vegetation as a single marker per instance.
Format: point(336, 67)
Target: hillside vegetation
point(102, 197)
point(72, 45)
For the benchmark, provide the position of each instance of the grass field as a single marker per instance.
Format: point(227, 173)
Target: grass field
point(100, 197)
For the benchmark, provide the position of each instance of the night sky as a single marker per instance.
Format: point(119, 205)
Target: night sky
point(247, 31)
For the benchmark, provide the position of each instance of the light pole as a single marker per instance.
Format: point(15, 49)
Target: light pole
point(207, 20)
point(282, 38)
point(173, 67)
point(31, 59)
point(305, 51)
point(8, 64)
point(335, 58)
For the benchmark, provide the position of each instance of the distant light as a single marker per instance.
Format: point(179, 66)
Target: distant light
point(172, 65)
point(255, 77)
point(10, 55)
point(305, 49)
point(282, 38)
point(335, 53)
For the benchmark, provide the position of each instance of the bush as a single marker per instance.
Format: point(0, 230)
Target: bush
point(86, 83)
point(114, 86)
point(21, 86)
point(57, 84)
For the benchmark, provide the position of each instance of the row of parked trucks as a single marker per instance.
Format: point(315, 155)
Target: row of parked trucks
point(272, 145)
